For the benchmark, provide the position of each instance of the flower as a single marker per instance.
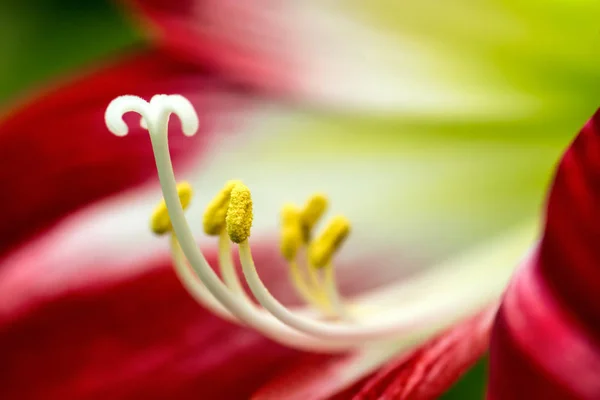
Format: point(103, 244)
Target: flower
point(544, 343)
point(138, 334)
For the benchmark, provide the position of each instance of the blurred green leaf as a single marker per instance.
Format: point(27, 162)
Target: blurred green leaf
point(471, 386)
point(41, 39)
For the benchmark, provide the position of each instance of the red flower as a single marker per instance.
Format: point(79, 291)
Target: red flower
point(90, 308)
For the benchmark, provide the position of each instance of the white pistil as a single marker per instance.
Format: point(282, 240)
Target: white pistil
point(156, 115)
point(193, 285)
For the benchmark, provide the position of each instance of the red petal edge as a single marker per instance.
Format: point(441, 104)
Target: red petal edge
point(433, 368)
point(57, 154)
point(546, 339)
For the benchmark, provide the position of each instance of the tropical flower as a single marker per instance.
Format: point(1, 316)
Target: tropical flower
point(91, 308)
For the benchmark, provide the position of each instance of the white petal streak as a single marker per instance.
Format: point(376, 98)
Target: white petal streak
point(342, 63)
point(346, 64)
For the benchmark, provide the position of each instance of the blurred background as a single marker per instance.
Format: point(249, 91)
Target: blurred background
point(480, 97)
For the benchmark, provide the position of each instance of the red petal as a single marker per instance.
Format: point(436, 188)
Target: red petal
point(546, 340)
point(569, 252)
point(433, 368)
point(424, 373)
point(244, 42)
point(57, 154)
point(539, 349)
point(139, 338)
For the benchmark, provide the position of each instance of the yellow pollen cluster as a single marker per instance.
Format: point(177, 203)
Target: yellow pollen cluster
point(291, 231)
point(216, 211)
point(160, 223)
point(239, 214)
point(323, 248)
point(313, 210)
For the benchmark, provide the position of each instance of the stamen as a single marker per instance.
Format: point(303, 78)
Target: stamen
point(193, 285)
point(156, 114)
point(291, 242)
point(331, 330)
point(216, 211)
point(227, 267)
point(329, 241)
point(307, 293)
point(332, 293)
point(310, 215)
point(291, 231)
point(239, 214)
point(312, 212)
point(321, 250)
point(160, 223)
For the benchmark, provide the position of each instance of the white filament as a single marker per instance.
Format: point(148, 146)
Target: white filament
point(331, 290)
point(393, 326)
point(192, 284)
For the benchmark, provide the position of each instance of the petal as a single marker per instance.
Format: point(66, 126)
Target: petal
point(431, 369)
point(546, 341)
point(421, 373)
point(58, 156)
point(225, 37)
point(404, 168)
point(339, 377)
point(539, 349)
point(568, 253)
point(417, 58)
point(529, 53)
point(138, 337)
point(448, 293)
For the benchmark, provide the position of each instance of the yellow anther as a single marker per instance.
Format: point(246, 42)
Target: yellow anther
point(291, 231)
point(216, 211)
point(311, 213)
point(323, 248)
point(239, 214)
point(160, 223)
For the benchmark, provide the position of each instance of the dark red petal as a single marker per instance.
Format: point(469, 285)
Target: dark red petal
point(245, 42)
point(433, 368)
point(539, 348)
point(57, 155)
point(140, 338)
point(546, 340)
point(569, 252)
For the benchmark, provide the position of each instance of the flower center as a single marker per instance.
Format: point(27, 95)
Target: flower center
point(335, 326)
